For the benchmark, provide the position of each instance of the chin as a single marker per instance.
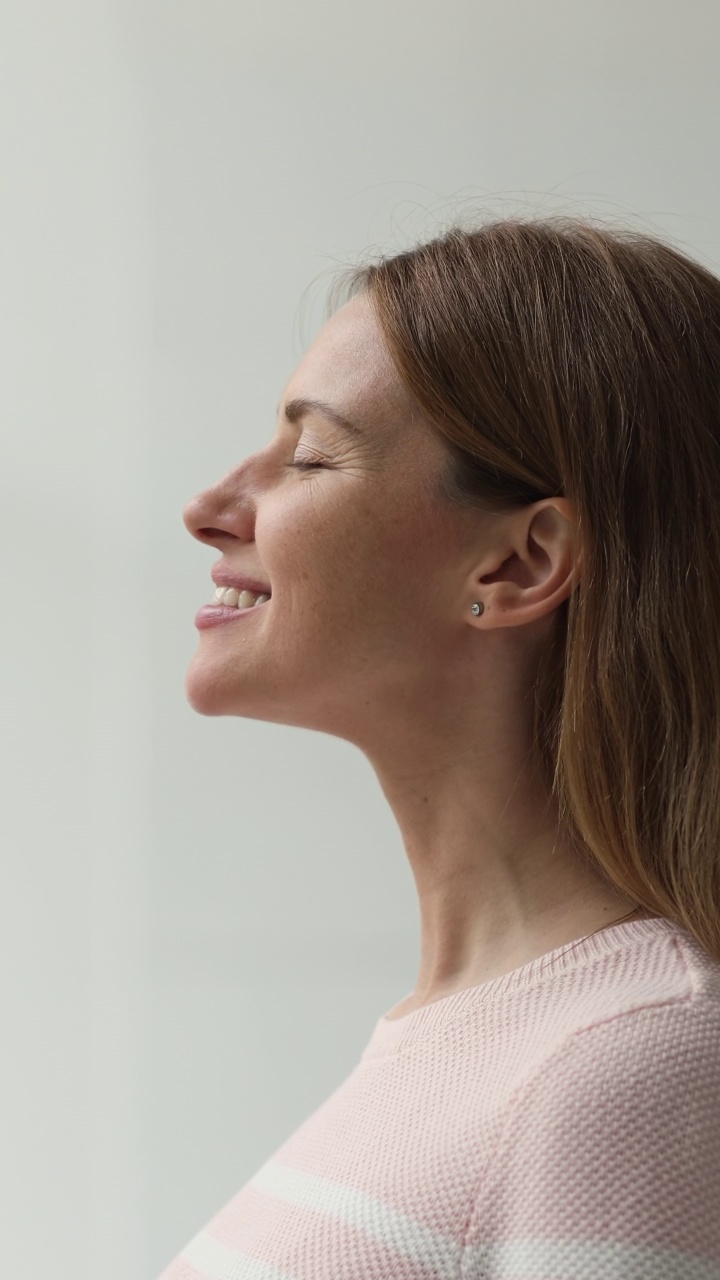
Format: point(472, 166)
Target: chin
point(210, 696)
point(206, 696)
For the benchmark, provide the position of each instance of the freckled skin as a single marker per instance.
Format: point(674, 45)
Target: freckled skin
point(369, 637)
point(364, 564)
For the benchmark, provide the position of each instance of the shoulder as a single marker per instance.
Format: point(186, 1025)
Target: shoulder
point(611, 1151)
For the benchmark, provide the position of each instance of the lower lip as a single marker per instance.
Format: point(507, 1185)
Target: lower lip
point(214, 615)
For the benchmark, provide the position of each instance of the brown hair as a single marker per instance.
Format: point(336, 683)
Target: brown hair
point(556, 357)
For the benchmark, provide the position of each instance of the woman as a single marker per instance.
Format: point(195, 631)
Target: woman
point(483, 546)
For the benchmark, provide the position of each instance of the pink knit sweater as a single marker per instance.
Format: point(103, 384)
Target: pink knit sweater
point(561, 1122)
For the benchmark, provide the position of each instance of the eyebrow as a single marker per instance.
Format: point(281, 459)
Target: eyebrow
point(300, 406)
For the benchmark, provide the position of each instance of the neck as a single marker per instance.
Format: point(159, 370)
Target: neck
point(497, 884)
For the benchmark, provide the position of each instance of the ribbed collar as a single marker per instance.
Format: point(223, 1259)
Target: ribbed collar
point(390, 1034)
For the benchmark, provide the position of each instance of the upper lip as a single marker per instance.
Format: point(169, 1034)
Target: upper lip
point(226, 578)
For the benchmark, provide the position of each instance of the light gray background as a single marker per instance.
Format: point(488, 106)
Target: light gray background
point(202, 918)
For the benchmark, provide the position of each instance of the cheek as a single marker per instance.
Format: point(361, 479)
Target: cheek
point(310, 529)
point(350, 546)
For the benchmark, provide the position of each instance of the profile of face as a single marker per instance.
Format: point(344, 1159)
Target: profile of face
point(369, 569)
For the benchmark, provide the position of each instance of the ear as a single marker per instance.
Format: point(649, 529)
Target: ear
point(533, 565)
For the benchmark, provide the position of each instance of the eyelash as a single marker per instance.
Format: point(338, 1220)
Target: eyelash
point(307, 466)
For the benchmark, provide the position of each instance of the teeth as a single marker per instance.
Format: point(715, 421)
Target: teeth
point(239, 599)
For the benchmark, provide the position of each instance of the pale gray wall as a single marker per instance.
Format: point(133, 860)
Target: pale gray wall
point(202, 918)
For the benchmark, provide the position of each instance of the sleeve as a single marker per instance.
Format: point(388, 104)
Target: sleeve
point(607, 1164)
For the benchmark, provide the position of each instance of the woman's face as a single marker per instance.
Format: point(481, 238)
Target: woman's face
point(367, 566)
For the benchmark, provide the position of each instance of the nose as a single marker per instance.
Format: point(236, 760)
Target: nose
point(223, 512)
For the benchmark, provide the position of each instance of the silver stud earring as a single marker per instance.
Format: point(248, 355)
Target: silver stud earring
point(477, 608)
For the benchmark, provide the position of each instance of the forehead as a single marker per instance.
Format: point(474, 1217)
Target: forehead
point(349, 366)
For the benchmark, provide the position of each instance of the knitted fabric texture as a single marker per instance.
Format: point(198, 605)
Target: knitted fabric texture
point(561, 1122)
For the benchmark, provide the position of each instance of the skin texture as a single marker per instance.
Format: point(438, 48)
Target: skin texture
point(369, 637)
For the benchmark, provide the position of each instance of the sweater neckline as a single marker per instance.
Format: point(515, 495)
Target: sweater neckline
point(390, 1033)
